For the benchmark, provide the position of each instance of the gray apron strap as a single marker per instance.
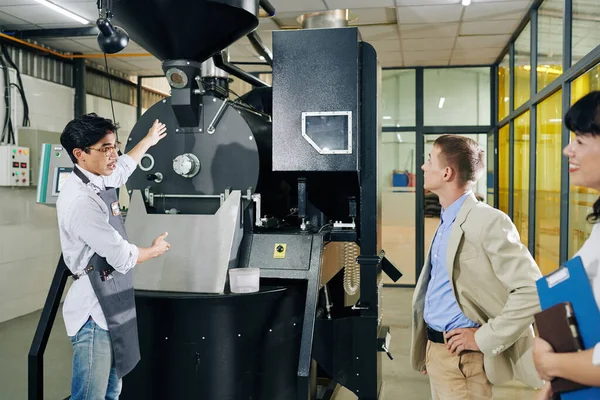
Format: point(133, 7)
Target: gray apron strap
point(115, 293)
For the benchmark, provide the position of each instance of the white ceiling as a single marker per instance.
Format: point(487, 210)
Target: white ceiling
point(404, 32)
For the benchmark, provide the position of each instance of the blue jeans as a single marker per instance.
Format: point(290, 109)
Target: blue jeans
point(94, 373)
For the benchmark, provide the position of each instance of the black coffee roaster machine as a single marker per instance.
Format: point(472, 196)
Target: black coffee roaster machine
point(283, 179)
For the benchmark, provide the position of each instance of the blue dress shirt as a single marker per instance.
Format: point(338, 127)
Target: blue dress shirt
point(442, 312)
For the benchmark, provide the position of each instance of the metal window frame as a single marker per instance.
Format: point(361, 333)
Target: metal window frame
point(420, 160)
point(532, 134)
point(511, 169)
point(309, 139)
point(568, 76)
point(494, 104)
point(511, 128)
point(564, 165)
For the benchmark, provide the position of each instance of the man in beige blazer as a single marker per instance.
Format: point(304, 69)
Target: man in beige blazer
point(474, 303)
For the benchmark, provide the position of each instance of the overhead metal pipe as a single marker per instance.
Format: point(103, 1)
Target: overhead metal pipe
point(268, 7)
point(220, 62)
point(260, 48)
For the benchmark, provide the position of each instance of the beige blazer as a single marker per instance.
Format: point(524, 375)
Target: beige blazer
point(493, 279)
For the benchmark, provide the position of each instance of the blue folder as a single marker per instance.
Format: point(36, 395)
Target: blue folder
point(570, 283)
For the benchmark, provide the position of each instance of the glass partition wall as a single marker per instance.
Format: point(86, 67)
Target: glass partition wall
point(515, 109)
point(419, 104)
point(555, 60)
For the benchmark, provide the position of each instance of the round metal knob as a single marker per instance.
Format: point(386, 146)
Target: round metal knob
point(186, 165)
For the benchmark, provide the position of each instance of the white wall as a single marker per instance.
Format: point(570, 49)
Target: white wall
point(29, 243)
point(51, 106)
point(29, 251)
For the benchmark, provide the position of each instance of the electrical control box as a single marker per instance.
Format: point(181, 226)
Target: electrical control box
point(34, 139)
point(14, 166)
point(55, 169)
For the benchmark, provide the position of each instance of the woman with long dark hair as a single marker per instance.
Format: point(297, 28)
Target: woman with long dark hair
point(583, 119)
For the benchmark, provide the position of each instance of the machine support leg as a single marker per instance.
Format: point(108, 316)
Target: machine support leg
point(307, 339)
point(308, 327)
point(42, 333)
point(367, 354)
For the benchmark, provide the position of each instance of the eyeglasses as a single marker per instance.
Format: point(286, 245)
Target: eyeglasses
point(107, 150)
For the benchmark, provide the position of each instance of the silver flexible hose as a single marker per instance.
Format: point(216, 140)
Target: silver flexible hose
point(351, 268)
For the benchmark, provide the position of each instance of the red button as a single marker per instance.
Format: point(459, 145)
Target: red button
point(24, 180)
point(20, 151)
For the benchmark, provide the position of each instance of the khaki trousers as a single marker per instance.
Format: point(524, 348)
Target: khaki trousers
point(455, 377)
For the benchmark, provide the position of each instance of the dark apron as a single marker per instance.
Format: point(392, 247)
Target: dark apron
point(115, 293)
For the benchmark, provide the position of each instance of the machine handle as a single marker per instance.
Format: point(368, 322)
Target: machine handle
point(256, 199)
point(157, 177)
point(384, 338)
point(213, 124)
point(385, 349)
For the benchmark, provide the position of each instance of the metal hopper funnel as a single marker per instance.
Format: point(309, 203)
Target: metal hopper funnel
point(186, 29)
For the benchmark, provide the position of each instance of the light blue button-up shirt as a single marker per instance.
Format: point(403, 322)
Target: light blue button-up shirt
point(441, 309)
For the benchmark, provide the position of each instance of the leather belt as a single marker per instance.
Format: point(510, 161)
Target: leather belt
point(435, 336)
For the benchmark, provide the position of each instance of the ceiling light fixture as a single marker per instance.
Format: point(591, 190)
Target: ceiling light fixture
point(63, 11)
point(442, 100)
point(466, 2)
point(387, 117)
point(111, 39)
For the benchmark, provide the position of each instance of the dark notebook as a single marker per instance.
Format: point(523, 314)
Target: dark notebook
point(557, 325)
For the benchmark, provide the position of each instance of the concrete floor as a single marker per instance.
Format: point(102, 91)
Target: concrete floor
point(401, 382)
